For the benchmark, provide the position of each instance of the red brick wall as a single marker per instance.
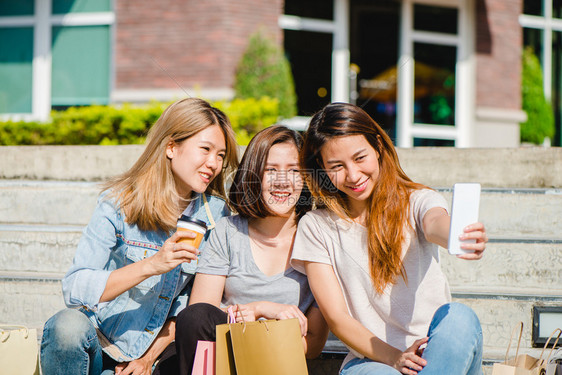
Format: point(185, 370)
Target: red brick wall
point(499, 42)
point(199, 42)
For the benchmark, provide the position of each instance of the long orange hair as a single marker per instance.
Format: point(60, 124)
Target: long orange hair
point(389, 203)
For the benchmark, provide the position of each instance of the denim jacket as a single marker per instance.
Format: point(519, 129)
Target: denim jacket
point(128, 324)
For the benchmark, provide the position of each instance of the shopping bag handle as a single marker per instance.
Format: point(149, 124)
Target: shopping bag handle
point(511, 339)
point(541, 361)
point(5, 334)
point(231, 316)
point(243, 320)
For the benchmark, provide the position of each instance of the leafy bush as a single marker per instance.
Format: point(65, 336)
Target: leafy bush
point(264, 70)
point(249, 116)
point(127, 124)
point(540, 118)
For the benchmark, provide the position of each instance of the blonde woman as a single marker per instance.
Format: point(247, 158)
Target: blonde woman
point(130, 276)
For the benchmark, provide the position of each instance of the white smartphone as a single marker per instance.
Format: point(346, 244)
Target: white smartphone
point(464, 211)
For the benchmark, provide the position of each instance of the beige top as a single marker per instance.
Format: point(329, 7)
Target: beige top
point(403, 312)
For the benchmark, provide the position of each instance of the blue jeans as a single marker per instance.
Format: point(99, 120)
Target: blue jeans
point(454, 346)
point(70, 346)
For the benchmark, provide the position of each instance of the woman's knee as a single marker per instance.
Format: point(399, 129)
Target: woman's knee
point(69, 327)
point(195, 318)
point(366, 366)
point(458, 316)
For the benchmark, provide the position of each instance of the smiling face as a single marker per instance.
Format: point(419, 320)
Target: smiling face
point(353, 167)
point(282, 183)
point(196, 161)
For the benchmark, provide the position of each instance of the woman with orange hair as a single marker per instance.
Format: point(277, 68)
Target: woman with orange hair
point(371, 255)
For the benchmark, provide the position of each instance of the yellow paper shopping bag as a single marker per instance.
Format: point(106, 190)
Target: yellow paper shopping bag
point(272, 347)
point(18, 350)
point(524, 364)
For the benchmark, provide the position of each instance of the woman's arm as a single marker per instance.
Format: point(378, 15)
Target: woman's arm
point(143, 365)
point(436, 223)
point(171, 255)
point(317, 334)
point(329, 297)
point(207, 289)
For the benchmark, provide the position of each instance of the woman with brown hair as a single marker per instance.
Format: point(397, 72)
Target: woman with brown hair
point(371, 254)
point(246, 262)
point(131, 274)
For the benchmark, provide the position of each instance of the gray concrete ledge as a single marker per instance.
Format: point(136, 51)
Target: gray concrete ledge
point(525, 167)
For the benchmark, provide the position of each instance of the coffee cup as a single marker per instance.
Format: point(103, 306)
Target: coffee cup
point(195, 226)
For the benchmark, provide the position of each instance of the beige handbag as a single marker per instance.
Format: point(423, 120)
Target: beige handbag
point(18, 350)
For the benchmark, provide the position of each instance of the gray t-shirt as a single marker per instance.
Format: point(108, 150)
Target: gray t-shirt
point(228, 253)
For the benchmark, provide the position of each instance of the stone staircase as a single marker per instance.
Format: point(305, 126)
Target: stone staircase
point(47, 195)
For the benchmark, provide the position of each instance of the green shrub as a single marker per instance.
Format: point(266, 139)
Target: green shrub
point(262, 71)
point(127, 124)
point(25, 133)
point(249, 116)
point(540, 118)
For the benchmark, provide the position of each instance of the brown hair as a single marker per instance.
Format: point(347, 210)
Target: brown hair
point(388, 205)
point(245, 194)
point(147, 193)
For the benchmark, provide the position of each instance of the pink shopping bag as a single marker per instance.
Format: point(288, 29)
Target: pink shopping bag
point(204, 363)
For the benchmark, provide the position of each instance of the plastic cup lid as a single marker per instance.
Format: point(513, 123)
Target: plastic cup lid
point(189, 219)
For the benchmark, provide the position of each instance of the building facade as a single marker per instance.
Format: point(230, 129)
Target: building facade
point(431, 72)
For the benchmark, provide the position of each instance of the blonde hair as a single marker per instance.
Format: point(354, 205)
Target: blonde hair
point(147, 193)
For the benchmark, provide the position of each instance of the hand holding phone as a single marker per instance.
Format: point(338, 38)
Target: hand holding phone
point(464, 211)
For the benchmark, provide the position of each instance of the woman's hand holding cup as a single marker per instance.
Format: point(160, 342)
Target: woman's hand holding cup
point(175, 251)
point(181, 247)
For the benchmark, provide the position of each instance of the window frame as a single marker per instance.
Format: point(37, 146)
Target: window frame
point(42, 23)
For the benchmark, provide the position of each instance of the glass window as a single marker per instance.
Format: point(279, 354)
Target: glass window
point(533, 7)
point(16, 56)
point(425, 142)
point(16, 8)
point(434, 84)
point(375, 58)
point(557, 8)
point(533, 38)
point(309, 54)
point(437, 19)
point(80, 6)
point(320, 9)
point(80, 65)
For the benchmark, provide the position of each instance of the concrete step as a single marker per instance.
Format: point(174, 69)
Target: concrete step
point(499, 314)
point(520, 213)
point(32, 297)
point(37, 248)
point(29, 299)
point(434, 166)
point(526, 264)
point(506, 267)
point(533, 167)
point(76, 163)
point(507, 213)
point(47, 202)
